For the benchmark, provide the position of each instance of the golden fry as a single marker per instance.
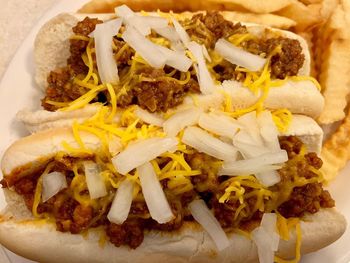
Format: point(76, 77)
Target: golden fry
point(255, 6)
point(306, 17)
point(336, 150)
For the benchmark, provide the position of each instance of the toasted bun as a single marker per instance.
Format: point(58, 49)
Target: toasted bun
point(52, 51)
point(38, 240)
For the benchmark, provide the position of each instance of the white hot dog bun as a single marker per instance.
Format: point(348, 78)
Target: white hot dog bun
point(38, 239)
point(301, 97)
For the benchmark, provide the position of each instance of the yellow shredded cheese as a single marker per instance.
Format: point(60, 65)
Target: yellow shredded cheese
point(80, 37)
point(294, 222)
point(282, 119)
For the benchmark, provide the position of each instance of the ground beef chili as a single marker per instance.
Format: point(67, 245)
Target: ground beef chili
point(72, 216)
point(164, 93)
point(78, 47)
point(286, 63)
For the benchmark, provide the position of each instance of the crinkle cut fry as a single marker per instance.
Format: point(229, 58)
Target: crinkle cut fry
point(333, 60)
point(336, 151)
point(256, 6)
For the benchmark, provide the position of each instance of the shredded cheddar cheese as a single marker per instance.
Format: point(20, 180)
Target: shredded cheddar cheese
point(282, 119)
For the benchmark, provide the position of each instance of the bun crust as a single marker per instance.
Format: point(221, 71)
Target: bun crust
point(40, 241)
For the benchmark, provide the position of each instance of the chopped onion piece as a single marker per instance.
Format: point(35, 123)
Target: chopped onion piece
point(261, 238)
point(106, 64)
point(278, 157)
point(141, 23)
point(124, 11)
point(206, 54)
point(121, 203)
point(154, 21)
point(269, 223)
point(141, 152)
point(206, 82)
point(181, 120)
point(268, 178)
point(145, 47)
point(202, 141)
point(181, 32)
point(144, 23)
point(176, 59)
point(169, 33)
point(94, 180)
point(219, 124)
point(266, 238)
point(256, 164)
point(234, 171)
point(244, 137)
point(153, 193)
point(238, 56)
point(204, 216)
point(52, 183)
point(114, 145)
point(268, 130)
point(250, 150)
point(250, 122)
point(150, 118)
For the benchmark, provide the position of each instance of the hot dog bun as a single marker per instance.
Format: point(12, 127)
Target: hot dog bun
point(24, 236)
point(301, 97)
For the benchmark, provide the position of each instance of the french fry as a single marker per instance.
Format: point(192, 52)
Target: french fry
point(333, 59)
point(306, 17)
point(255, 6)
point(336, 150)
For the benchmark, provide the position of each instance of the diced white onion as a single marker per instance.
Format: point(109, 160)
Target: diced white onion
point(154, 21)
point(181, 32)
point(94, 180)
point(145, 47)
point(121, 203)
point(124, 11)
point(202, 141)
point(268, 178)
point(169, 33)
point(261, 239)
point(218, 124)
point(244, 137)
point(268, 130)
point(250, 122)
point(150, 118)
point(255, 165)
point(266, 238)
point(278, 157)
point(106, 64)
point(250, 150)
point(176, 59)
point(206, 54)
point(238, 56)
point(233, 171)
point(52, 183)
point(181, 120)
point(269, 223)
point(204, 216)
point(140, 25)
point(153, 193)
point(206, 82)
point(141, 152)
point(114, 145)
point(144, 23)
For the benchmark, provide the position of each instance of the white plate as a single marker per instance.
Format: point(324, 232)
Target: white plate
point(17, 91)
